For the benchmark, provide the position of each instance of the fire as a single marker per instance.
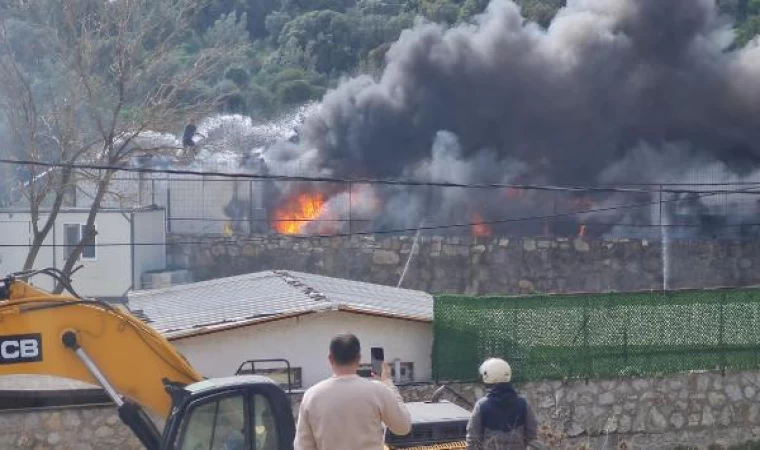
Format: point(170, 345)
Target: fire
point(296, 214)
point(582, 231)
point(514, 193)
point(480, 229)
point(581, 203)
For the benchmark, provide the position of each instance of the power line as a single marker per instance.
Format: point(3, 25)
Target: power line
point(360, 181)
point(271, 177)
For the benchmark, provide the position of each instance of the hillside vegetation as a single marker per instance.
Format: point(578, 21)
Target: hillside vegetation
point(296, 49)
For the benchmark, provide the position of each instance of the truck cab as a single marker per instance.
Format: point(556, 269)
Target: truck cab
point(243, 412)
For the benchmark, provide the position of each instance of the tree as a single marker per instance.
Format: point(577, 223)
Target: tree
point(322, 39)
point(742, 7)
point(747, 31)
point(296, 92)
point(751, 7)
point(102, 75)
point(275, 22)
point(441, 11)
point(541, 11)
point(303, 6)
point(41, 130)
point(469, 8)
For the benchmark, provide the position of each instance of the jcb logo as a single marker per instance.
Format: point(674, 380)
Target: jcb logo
point(20, 348)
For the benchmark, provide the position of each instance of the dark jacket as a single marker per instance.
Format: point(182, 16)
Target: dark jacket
point(502, 420)
point(188, 135)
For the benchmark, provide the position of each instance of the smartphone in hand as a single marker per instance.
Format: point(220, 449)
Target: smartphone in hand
point(378, 356)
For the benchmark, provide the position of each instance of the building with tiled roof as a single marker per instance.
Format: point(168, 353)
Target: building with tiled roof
point(219, 324)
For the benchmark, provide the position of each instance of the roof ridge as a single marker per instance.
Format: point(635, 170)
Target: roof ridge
point(302, 287)
point(362, 282)
point(196, 284)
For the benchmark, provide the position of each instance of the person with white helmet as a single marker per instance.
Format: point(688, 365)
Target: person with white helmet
point(502, 420)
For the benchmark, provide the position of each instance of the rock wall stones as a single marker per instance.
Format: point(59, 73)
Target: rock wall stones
point(476, 265)
point(688, 409)
point(82, 428)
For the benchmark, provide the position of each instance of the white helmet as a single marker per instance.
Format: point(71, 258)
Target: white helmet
point(495, 370)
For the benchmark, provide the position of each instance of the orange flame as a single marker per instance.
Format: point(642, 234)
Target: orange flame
point(514, 193)
point(292, 217)
point(582, 231)
point(480, 229)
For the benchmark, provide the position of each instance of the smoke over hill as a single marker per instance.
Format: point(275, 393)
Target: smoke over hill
point(612, 91)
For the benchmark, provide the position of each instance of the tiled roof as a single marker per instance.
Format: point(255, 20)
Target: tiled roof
point(264, 295)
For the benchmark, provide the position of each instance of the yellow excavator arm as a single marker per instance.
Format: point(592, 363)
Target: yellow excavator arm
point(133, 357)
point(97, 343)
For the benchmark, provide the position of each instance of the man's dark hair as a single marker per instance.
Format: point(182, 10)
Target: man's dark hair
point(345, 349)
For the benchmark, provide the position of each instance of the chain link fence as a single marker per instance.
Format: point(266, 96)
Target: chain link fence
point(211, 204)
point(598, 335)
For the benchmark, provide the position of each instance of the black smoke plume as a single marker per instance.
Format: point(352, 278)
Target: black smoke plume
point(613, 91)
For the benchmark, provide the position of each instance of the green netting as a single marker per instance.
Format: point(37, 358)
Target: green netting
point(598, 335)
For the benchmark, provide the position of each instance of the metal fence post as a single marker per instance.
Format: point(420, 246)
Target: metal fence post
point(515, 347)
point(251, 219)
point(664, 250)
point(721, 334)
point(586, 319)
point(350, 207)
point(168, 205)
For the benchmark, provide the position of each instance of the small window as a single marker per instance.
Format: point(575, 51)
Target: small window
point(407, 372)
point(265, 430)
point(88, 252)
point(215, 425)
point(72, 235)
point(199, 429)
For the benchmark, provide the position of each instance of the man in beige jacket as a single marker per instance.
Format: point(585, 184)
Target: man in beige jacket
point(346, 411)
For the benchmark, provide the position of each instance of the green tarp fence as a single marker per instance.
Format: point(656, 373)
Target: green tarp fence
point(598, 335)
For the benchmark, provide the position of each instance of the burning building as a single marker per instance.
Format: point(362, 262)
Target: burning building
point(647, 96)
point(633, 93)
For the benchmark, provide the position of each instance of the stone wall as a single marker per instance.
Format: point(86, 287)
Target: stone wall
point(688, 409)
point(697, 409)
point(478, 266)
point(80, 428)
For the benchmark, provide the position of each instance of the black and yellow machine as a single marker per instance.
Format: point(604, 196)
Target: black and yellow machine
point(158, 394)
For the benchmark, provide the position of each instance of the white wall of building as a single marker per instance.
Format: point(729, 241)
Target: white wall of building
point(304, 342)
point(149, 229)
point(14, 236)
point(110, 272)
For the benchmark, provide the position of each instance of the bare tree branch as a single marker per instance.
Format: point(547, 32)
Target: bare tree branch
point(110, 83)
